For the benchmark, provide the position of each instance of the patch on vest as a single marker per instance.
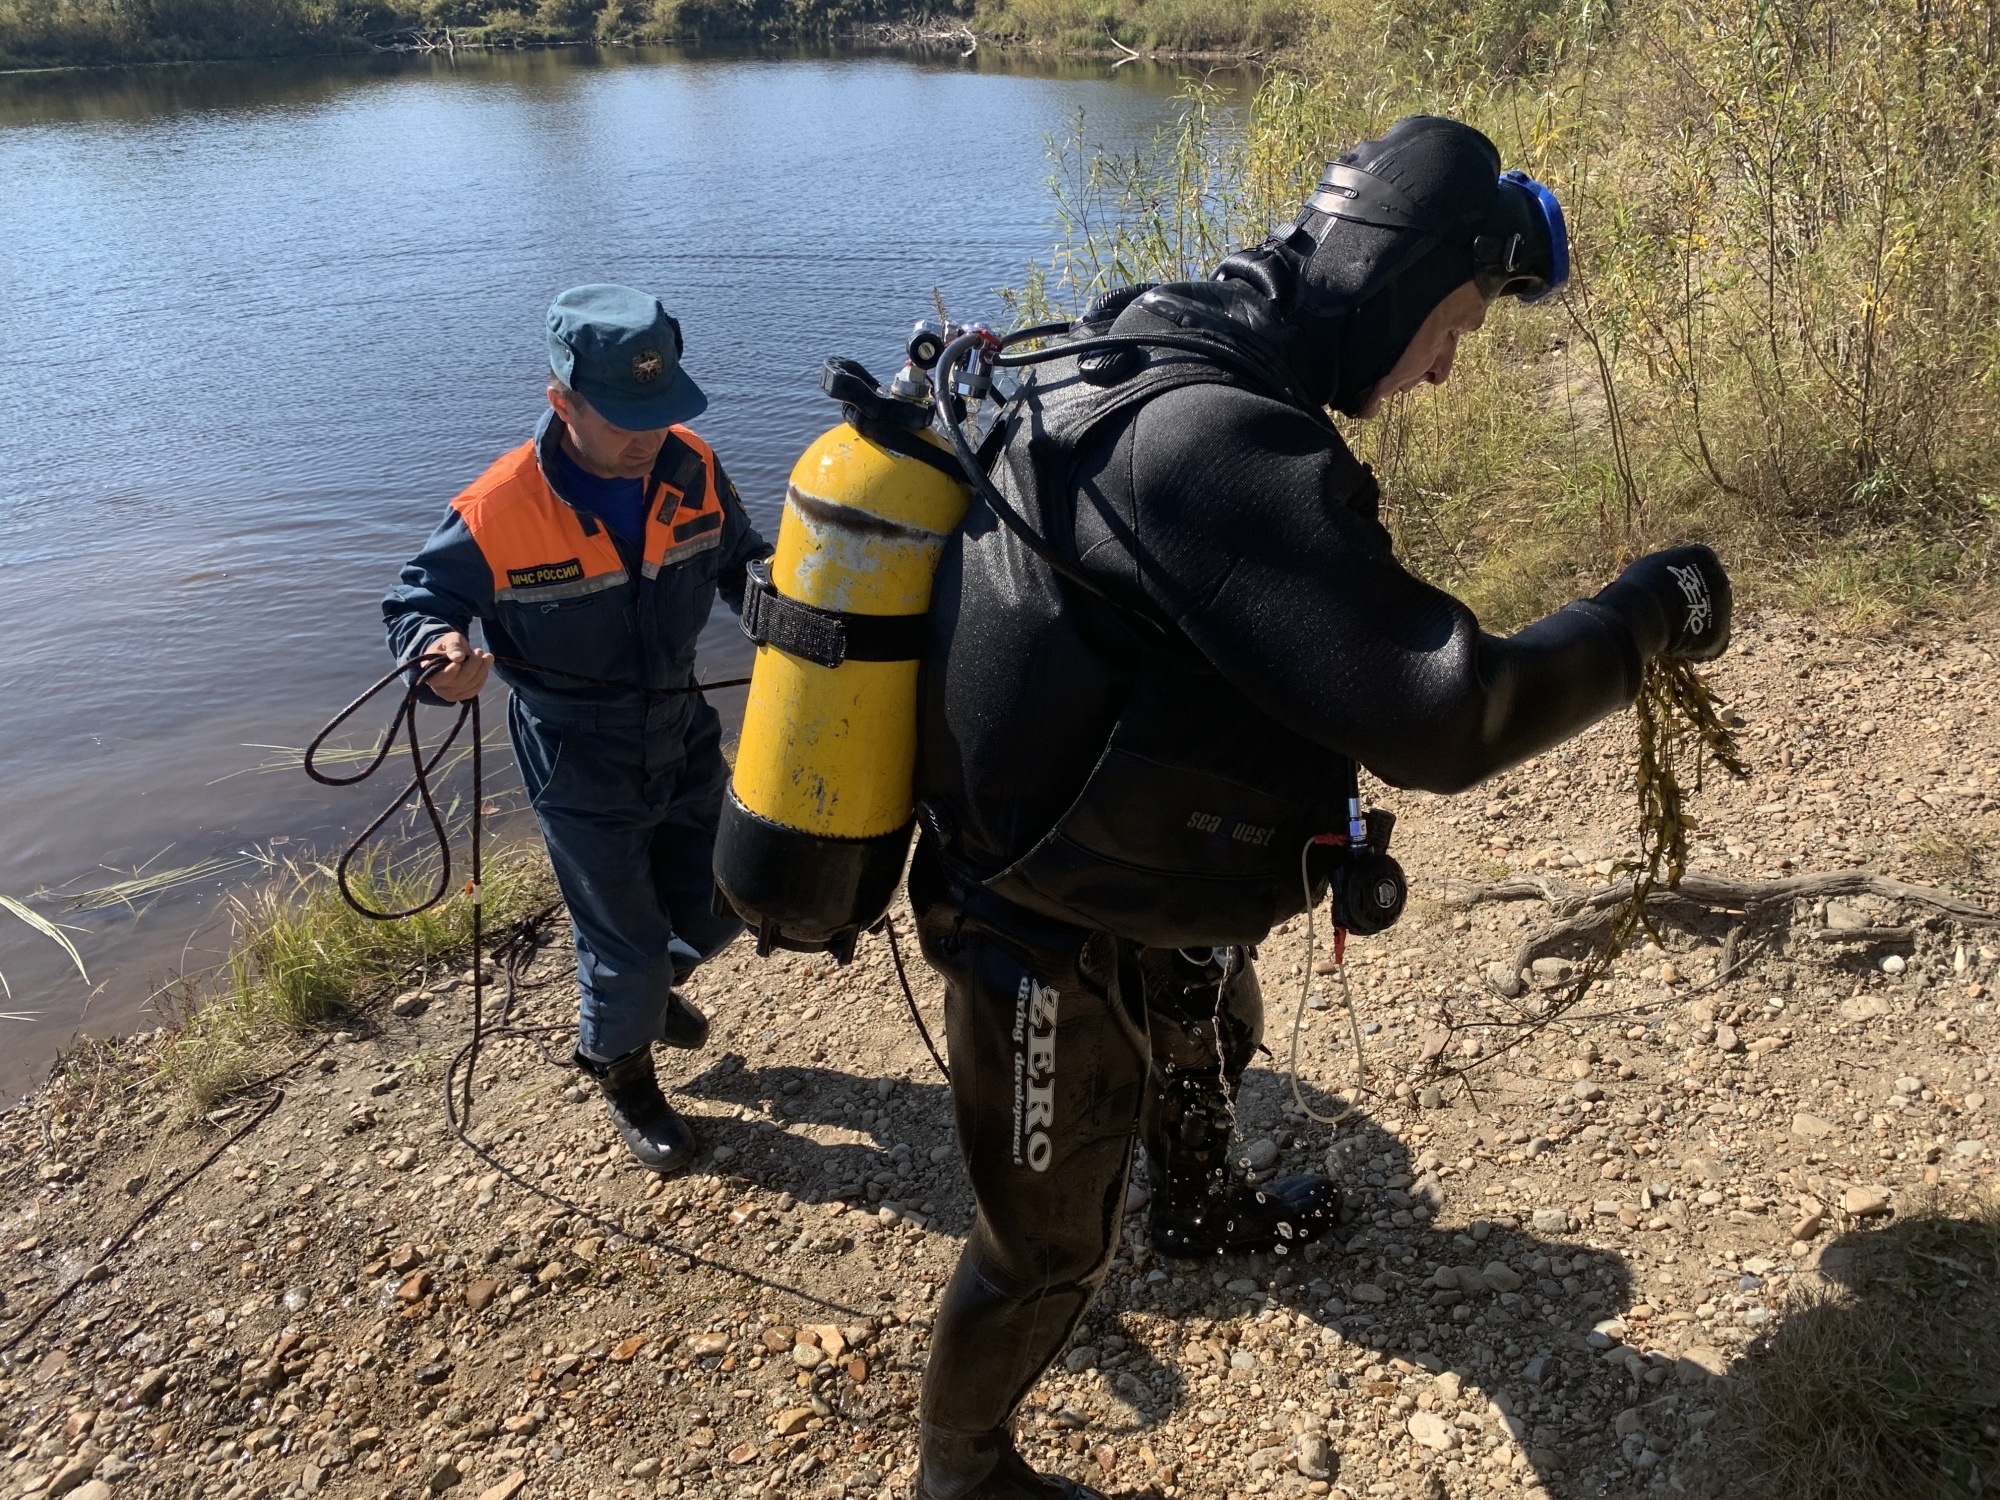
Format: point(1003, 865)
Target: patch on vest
point(544, 573)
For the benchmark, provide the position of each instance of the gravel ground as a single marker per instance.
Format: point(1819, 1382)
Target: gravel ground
point(1546, 1290)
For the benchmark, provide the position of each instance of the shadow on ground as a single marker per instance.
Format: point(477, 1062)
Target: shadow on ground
point(1881, 1378)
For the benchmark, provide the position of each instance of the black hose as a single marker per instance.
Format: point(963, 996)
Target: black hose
point(414, 674)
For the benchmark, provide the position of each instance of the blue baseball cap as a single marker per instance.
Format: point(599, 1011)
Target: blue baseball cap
point(621, 351)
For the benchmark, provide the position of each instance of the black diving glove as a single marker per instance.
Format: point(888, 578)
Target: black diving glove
point(1678, 603)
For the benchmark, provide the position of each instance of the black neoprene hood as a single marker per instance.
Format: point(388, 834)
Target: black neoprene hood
point(1352, 286)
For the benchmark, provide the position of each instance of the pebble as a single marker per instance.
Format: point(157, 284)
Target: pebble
point(1551, 1221)
point(1313, 1455)
point(410, 1003)
point(1432, 1430)
point(1588, 1092)
point(1082, 1357)
point(1894, 963)
point(1810, 1127)
point(1370, 1294)
point(1260, 1154)
point(1503, 978)
point(1865, 1202)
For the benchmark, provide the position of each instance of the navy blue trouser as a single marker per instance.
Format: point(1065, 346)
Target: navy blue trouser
point(628, 800)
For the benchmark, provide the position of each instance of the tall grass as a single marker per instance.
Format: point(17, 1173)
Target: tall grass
point(302, 960)
point(1783, 333)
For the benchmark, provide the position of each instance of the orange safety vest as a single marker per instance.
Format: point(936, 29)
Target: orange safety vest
point(540, 549)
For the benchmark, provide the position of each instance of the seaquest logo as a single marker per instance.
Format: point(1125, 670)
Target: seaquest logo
point(1034, 1074)
point(562, 572)
point(1694, 588)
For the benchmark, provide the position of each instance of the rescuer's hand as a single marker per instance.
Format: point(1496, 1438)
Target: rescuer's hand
point(467, 673)
point(1678, 603)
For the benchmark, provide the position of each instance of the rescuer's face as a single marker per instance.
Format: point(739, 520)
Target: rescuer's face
point(1429, 358)
point(606, 451)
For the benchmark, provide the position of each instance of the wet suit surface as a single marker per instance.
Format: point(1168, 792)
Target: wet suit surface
point(1246, 524)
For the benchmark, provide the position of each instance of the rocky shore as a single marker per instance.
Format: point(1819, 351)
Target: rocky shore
point(1550, 1285)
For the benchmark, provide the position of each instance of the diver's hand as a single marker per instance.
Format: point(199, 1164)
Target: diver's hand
point(466, 673)
point(1678, 603)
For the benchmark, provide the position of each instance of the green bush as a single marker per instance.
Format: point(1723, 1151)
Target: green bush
point(1783, 332)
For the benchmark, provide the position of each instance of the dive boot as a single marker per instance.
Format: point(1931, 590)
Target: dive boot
point(1010, 1479)
point(658, 1137)
point(1236, 1218)
point(1204, 1019)
point(683, 1026)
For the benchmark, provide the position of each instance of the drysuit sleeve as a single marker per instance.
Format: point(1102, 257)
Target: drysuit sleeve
point(445, 587)
point(1254, 529)
point(742, 543)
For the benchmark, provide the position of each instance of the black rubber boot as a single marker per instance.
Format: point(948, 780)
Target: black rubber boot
point(683, 1026)
point(1205, 1015)
point(1009, 1477)
point(658, 1137)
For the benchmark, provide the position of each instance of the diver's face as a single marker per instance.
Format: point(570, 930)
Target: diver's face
point(1428, 359)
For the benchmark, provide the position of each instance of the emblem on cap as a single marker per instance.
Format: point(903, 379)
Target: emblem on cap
point(648, 366)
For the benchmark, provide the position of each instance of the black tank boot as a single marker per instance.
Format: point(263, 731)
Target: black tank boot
point(1205, 1016)
point(683, 1025)
point(988, 1347)
point(661, 1140)
point(1008, 1476)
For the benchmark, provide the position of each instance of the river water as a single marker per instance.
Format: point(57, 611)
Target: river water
point(262, 321)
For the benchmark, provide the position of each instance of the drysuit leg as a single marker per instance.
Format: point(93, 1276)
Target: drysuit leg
point(1048, 1071)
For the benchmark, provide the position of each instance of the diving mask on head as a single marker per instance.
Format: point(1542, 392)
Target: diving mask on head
point(1525, 251)
point(1521, 250)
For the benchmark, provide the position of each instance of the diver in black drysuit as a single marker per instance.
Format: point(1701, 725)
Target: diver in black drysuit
point(1123, 758)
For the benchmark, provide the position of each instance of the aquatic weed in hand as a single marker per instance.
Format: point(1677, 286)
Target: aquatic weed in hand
point(1680, 731)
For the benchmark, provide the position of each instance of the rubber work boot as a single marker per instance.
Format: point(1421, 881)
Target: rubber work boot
point(1205, 1016)
point(683, 1026)
point(658, 1137)
point(1010, 1479)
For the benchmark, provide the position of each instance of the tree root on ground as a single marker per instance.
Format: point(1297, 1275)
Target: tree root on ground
point(1583, 914)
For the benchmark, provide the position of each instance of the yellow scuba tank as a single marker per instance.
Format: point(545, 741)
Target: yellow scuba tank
point(816, 825)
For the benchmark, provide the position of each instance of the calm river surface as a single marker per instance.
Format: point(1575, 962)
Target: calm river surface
point(261, 322)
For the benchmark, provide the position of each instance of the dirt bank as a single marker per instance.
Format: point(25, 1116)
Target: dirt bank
point(1549, 1289)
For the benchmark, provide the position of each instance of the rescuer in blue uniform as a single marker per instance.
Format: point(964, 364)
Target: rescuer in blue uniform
point(594, 552)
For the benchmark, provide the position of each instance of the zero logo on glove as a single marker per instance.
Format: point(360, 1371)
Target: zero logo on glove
point(1694, 588)
point(1034, 1074)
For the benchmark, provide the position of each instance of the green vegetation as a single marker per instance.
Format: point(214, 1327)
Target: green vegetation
point(302, 960)
point(1783, 335)
point(43, 33)
point(1880, 1380)
point(47, 929)
point(1227, 26)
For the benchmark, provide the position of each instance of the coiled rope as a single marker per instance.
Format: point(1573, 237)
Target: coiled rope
point(414, 675)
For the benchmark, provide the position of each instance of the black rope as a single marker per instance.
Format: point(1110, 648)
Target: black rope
point(414, 674)
point(910, 998)
point(520, 942)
